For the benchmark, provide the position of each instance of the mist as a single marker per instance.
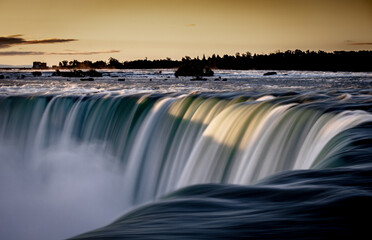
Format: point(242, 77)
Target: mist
point(58, 194)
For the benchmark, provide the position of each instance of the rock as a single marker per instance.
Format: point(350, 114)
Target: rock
point(87, 79)
point(194, 69)
point(56, 73)
point(36, 74)
point(93, 73)
point(270, 73)
point(77, 73)
point(198, 78)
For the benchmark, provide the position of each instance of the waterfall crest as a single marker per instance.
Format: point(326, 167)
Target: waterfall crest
point(160, 143)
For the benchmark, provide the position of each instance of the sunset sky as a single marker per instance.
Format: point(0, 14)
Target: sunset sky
point(52, 31)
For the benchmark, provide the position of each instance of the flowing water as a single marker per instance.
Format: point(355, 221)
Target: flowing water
point(75, 156)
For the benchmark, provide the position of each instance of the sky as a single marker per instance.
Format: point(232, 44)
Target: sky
point(52, 31)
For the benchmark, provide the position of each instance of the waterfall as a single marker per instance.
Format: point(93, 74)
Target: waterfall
point(160, 143)
point(77, 162)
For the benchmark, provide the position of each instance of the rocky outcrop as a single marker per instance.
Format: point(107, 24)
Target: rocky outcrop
point(194, 69)
point(77, 73)
point(270, 73)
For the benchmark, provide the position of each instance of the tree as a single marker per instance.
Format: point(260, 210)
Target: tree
point(64, 63)
point(114, 63)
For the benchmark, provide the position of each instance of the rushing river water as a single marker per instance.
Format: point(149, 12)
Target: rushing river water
point(250, 157)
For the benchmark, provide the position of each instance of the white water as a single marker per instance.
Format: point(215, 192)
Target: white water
point(138, 81)
point(70, 164)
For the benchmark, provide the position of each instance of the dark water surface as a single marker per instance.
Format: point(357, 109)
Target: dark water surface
point(312, 204)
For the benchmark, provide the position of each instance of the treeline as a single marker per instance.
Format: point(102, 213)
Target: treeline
point(288, 60)
point(116, 64)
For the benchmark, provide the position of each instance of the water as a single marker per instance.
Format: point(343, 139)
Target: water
point(138, 81)
point(312, 204)
point(77, 155)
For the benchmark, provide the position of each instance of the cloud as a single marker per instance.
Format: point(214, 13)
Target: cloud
point(19, 53)
point(13, 40)
point(352, 43)
point(71, 52)
point(23, 53)
point(16, 40)
point(361, 43)
point(48, 41)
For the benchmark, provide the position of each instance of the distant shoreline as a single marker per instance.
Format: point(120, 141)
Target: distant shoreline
point(348, 61)
point(104, 69)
